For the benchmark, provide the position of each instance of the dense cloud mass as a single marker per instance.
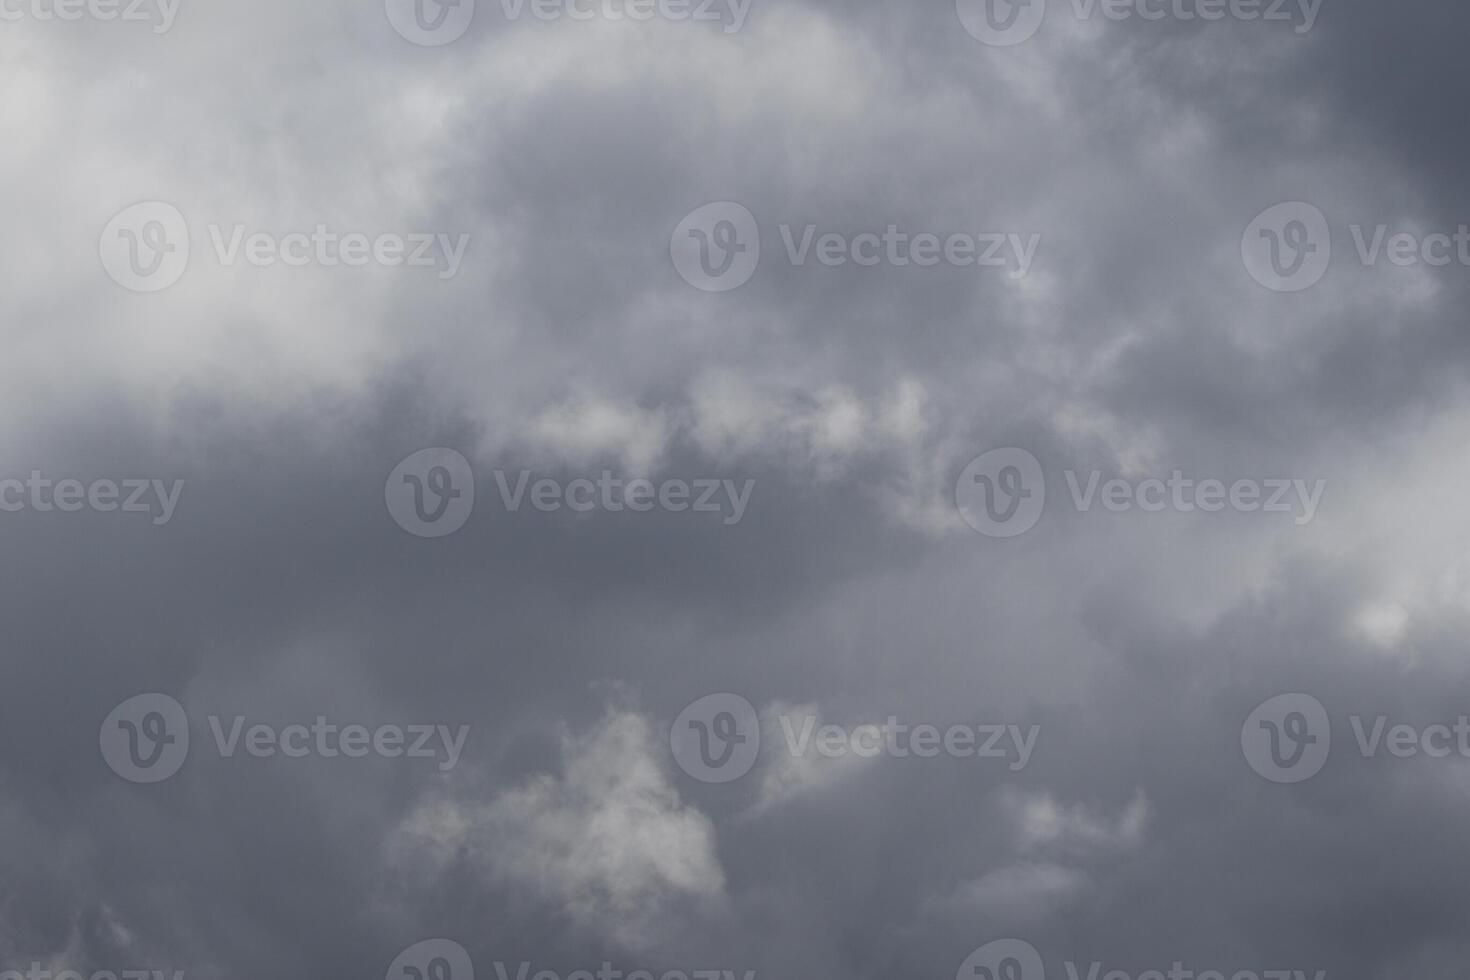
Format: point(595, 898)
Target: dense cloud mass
point(734, 490)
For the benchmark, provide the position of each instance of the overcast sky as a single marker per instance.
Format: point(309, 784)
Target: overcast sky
point(669, 361)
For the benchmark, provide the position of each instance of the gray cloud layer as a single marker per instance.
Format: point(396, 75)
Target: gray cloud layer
point(567, 344)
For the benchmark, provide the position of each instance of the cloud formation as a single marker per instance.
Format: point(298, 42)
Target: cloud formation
point(1134, 152)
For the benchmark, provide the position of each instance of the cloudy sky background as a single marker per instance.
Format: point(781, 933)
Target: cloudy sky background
point(568, 344)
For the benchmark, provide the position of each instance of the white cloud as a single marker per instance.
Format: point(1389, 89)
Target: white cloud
point(789, 774)
point(608, 840)
point(1018, 893)
point(1041, 821)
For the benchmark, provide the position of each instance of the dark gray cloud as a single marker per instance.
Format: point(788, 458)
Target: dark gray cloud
point(846, 588)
